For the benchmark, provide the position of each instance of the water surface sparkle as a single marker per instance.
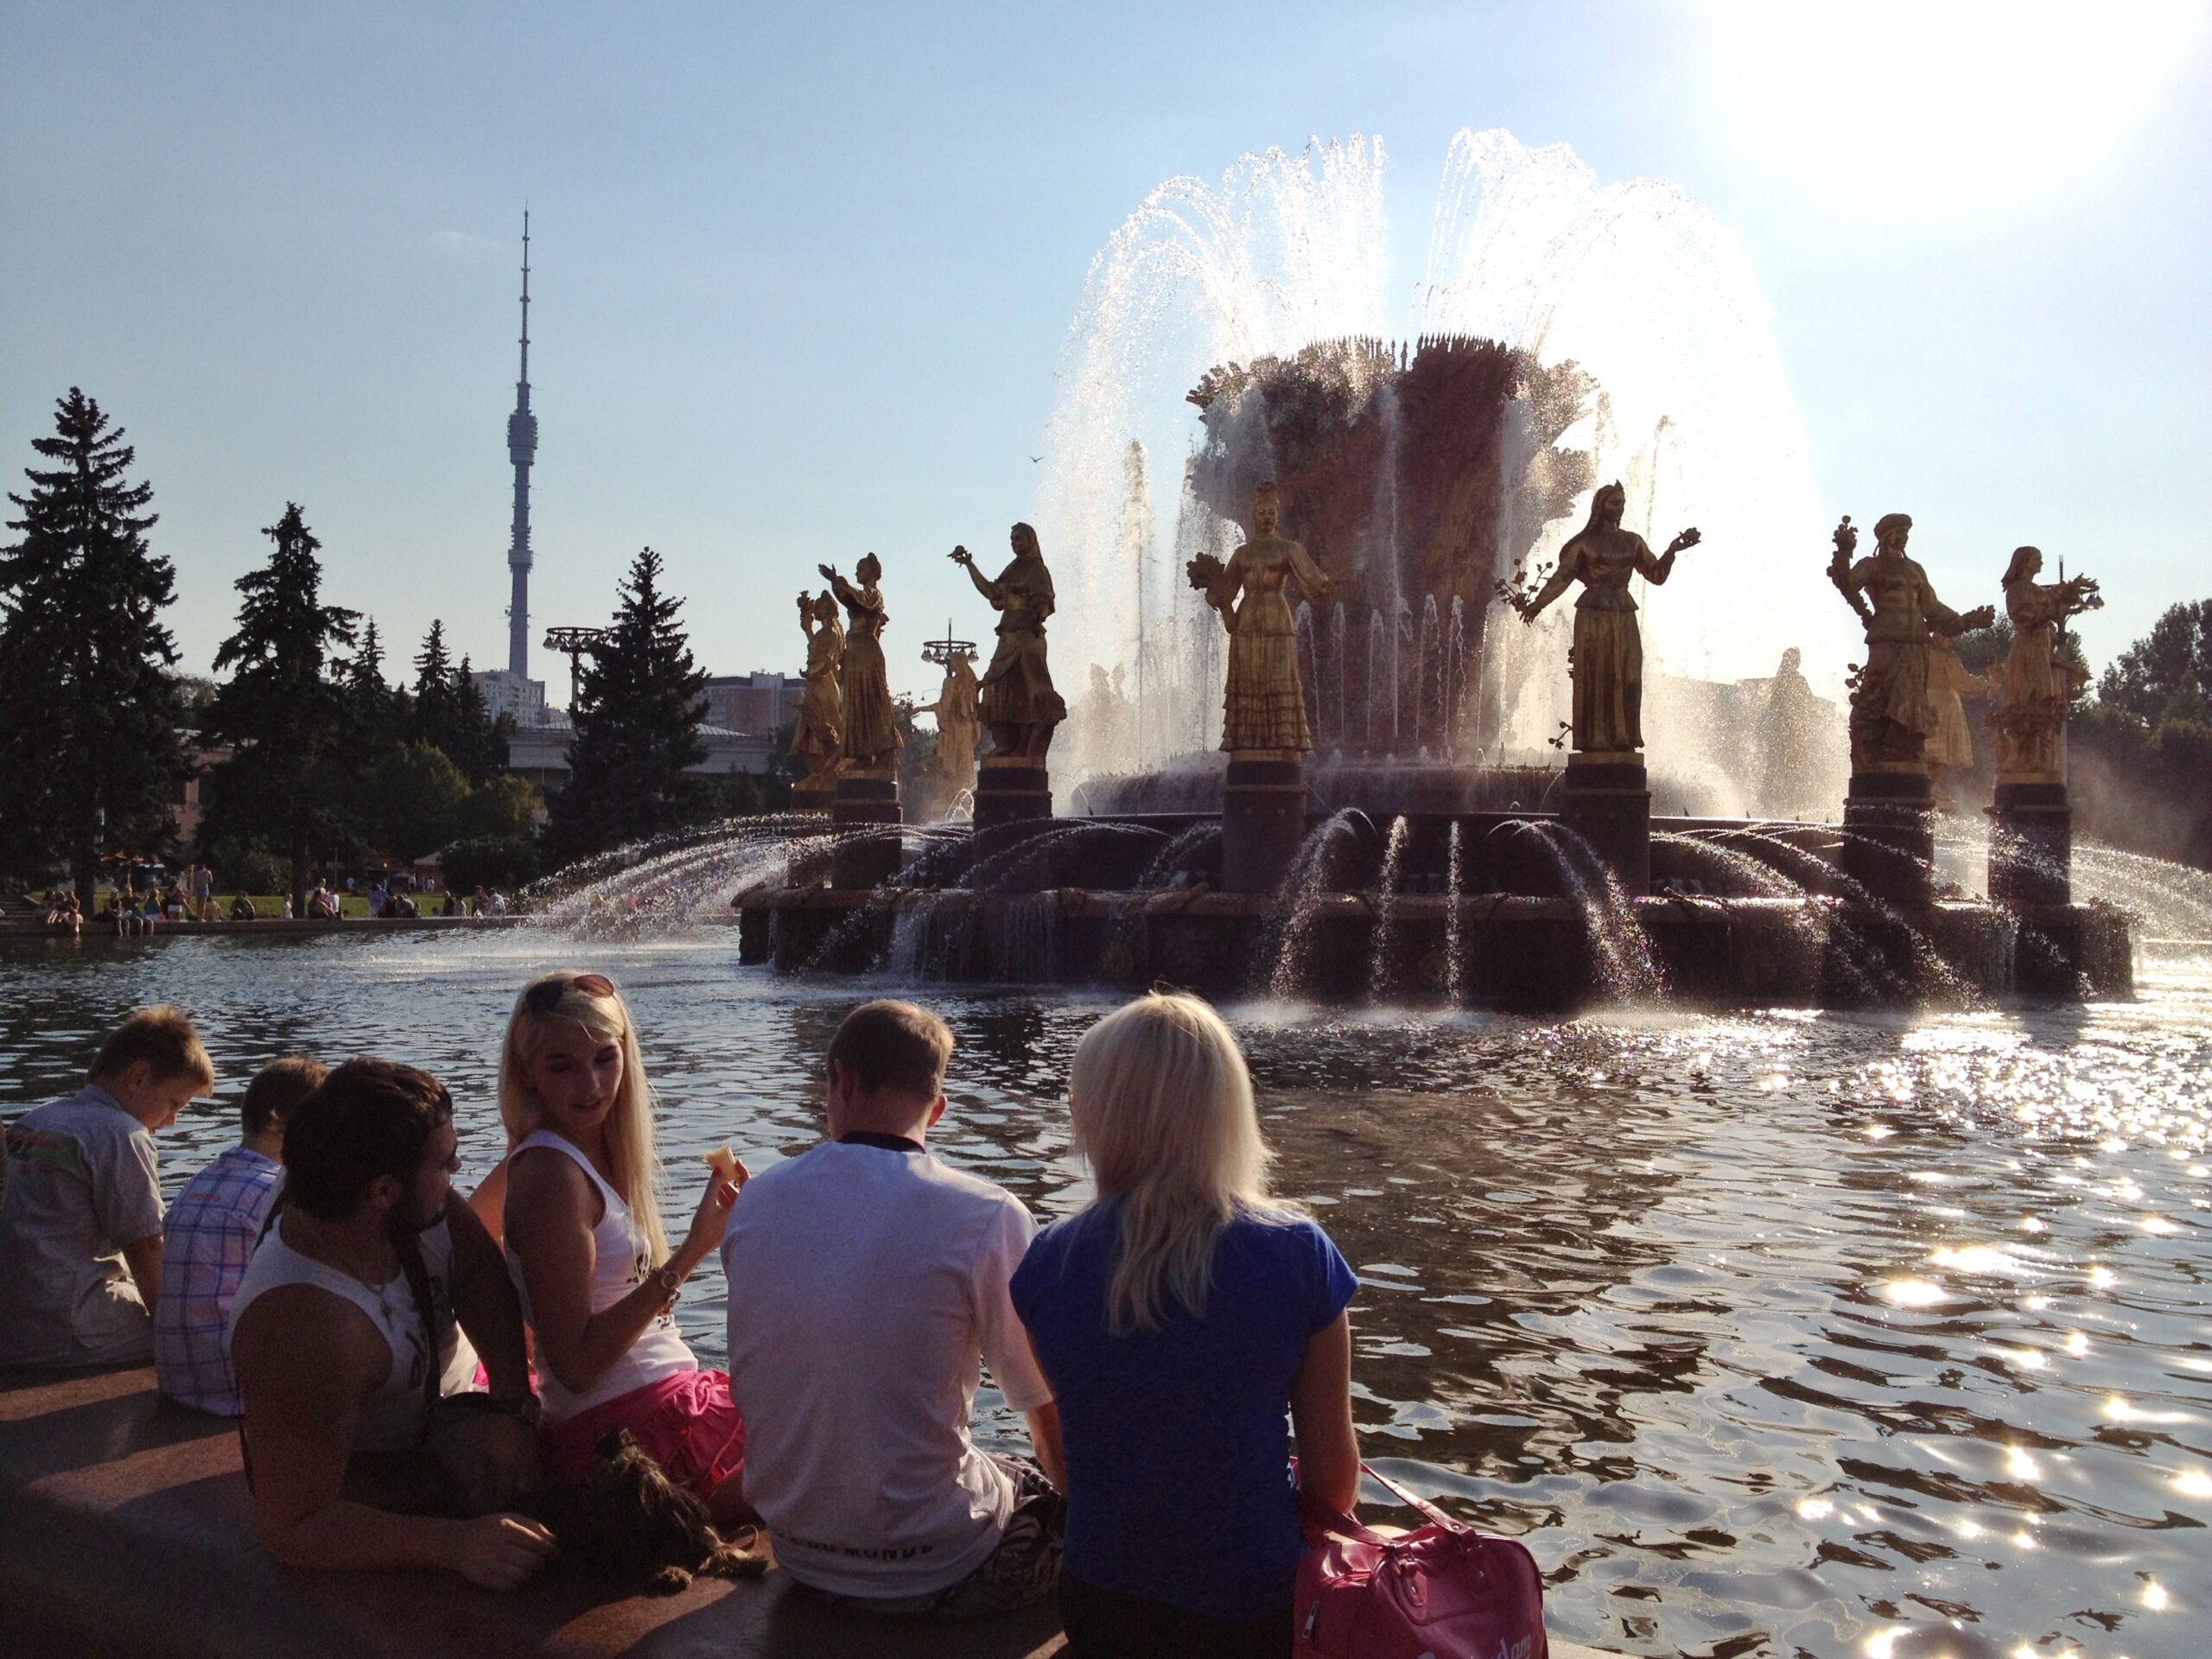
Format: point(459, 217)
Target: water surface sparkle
point(1775, 1334)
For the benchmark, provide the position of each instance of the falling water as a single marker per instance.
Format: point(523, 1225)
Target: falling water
point(1386, 911)
point(1296, 901)
point(1455, 665)
point(1428, 706)
point(1455, 919)
point(1619, 946)
point(1309, 664)
point(1336, 664)
point(1377, 668)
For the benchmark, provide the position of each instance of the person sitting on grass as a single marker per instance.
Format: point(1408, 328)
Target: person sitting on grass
point(1180, 1318)
point(242, 907)
point(866, 1279)
point(213, 1227)
point(343, 1338)
point(80, 1218)
point(583, 1235)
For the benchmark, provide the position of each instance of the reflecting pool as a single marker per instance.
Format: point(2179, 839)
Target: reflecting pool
point(1778, 1334)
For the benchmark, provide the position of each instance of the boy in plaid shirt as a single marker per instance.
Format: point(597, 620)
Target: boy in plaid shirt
point(212, 1227)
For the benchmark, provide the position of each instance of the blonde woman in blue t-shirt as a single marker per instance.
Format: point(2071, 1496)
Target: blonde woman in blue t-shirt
point(1180, 1320)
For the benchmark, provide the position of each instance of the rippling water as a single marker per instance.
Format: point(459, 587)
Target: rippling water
point(1790, 1334)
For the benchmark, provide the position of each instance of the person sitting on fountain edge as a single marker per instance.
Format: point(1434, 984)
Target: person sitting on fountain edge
point(343, 1336)
point(866, 1278)
point(212, 1227)
point(80, 1216)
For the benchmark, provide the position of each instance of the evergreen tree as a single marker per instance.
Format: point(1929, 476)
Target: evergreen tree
point(637, 713)
point(285, 710)
point(478, 751)
point(374, 705)
point(435, 703)
point(89, 709)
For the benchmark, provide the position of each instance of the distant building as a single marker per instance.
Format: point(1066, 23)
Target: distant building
point(759, 704)
point(540, 754)
point(505, 692)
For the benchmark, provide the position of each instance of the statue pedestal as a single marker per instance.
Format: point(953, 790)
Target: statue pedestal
point(1262, 820)
point(1605, 800)
point(1010, 789)
point(813, 795)
point(865, 798)
point(2032, 846)
point(1889, 820)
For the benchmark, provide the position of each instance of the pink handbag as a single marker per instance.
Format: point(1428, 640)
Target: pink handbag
point(1440, 1591)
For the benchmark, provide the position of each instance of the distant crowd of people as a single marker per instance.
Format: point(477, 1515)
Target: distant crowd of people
point(411, 1367)
point(129, 911)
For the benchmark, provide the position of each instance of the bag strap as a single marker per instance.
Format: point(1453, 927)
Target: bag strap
point(1412, 1501)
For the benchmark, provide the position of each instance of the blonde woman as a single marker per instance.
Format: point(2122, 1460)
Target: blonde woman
point(583, 1242)
point(1179, 1320)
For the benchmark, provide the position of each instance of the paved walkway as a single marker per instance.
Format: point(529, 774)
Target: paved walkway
point(126, 1529)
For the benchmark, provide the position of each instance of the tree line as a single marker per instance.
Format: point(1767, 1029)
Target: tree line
point(313, 761)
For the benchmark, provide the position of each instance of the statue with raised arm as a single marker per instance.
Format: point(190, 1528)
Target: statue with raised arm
point(1606, 663)
point(818, 740)
point(2037, 684)
point(871, 732)
point(1263, 709)
point(1893, 711)
point(1018, 703)
point(951, 765)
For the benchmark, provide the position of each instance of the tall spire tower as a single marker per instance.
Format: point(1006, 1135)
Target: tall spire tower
point(522, 448)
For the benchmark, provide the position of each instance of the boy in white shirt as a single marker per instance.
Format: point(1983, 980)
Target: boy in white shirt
point(866, 1278)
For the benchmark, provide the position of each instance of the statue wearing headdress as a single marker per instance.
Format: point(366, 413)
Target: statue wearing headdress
point(1607, 662)
point(871, 732)
point(1263, 711)
point(818, 739)
point(951, 766)
point(2036, 685)
point(1893, 714)
point(1018, 701)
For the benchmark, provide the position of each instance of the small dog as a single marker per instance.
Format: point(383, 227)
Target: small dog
point(633, 1524)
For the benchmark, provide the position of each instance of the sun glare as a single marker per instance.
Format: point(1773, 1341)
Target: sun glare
point(1938, 102)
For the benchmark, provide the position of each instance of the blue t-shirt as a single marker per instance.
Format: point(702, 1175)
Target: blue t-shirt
point(1178, 1439)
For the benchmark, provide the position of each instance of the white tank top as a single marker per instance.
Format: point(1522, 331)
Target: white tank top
point(621, 1263)
point(391, 1418)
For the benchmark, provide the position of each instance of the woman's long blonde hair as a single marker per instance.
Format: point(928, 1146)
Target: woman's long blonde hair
point(1163, 1111)
point(630, 1155)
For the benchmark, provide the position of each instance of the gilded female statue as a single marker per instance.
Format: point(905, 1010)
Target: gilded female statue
point(819, 739)
point(2029, 724)
point(871, 734)
point(951, 766)
point(1607, 664)
point(1263, 711)
point(1019, 703)
point(1892, 715)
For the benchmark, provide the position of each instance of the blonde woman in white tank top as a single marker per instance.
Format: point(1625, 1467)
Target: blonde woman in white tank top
point(583, 1242)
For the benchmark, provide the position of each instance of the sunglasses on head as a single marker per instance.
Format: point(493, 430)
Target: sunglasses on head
point(545, 996)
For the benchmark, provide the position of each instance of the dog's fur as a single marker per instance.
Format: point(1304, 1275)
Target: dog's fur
point(633, 1524)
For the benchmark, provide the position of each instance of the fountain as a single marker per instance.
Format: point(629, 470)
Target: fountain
point(1347, 774)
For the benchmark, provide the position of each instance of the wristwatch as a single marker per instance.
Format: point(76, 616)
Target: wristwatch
point(669, 1278)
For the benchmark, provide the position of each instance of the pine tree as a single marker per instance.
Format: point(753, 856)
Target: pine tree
point(285, 710)
point(374, 706)
point(478, 751)
point(434, 705)
point(637, 713)
point(89, 708)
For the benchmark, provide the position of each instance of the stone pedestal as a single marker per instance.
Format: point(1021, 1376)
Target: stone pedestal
point(1262, 820)
point(2032, 846)
point(812, 795)
point(1889, 820)
point(1011, 790)
point(863, 799)
point(1606, 800)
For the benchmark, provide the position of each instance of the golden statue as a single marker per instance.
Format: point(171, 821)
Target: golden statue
point(1893, 714)
point(1264, 710)
point(951, 768)
point(1019, 703)
point(2036, 684)
point(871, 730)
point(818, 738)
point(1950, 745)
point(1607, 661)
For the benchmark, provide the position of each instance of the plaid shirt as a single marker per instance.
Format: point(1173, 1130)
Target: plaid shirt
point(212, 1227)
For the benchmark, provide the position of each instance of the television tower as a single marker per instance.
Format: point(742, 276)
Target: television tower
point(522, 447)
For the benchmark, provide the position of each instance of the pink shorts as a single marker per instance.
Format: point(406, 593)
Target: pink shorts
point(685, 1423)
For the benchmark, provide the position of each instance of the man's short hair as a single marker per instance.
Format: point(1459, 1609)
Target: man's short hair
point(367, 1118)
point(163, 1038)
point(277, 1091)
point(895, 1046)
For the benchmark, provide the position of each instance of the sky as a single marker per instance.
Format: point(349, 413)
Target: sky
point(804, 275)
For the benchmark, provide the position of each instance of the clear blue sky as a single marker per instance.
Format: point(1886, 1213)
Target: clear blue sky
point(804, 273)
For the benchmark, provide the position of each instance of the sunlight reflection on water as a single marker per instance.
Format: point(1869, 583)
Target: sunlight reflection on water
point(1777, 1333)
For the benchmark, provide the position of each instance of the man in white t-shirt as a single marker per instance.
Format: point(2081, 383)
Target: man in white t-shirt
point(866, 1279)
